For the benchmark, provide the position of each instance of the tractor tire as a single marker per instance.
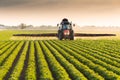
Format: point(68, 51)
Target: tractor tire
point(60, 37)
point(72, 36)
point(58, 33)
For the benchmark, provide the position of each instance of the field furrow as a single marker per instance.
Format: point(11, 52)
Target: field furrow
point(59, 73)
point(4, 69)
point(43, 68)
point(60, 60)
point(8, 53)
point(71, 70)
point(4, 44)
point(95, 53)
point(97, 68)
point(15, 73)
point(6, 47)
point(31, 68)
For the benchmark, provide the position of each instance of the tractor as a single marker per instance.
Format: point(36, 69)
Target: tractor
point(65, 30)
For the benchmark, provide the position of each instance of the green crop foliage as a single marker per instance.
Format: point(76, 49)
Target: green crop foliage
point(59, 60)
point(8, 34)
point(31, 69)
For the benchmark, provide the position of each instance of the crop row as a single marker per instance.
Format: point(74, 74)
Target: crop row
point(81, 67)
point(88, 60)
point(4, 68)
point(59, 60)
point(101, 56)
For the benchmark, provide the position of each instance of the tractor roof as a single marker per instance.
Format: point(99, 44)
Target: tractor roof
point(65, 20)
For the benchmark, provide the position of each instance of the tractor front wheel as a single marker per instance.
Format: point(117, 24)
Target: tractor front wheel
point(72, 37)
point(60, 36)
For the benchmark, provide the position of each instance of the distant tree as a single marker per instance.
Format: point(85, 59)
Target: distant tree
point(30, 26)
point(22, 26)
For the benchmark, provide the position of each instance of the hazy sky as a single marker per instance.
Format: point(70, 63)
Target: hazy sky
point(50, 12)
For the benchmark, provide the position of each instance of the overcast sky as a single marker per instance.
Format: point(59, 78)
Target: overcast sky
point(50, 12)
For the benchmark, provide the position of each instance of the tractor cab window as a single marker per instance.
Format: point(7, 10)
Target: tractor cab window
point(66, 26)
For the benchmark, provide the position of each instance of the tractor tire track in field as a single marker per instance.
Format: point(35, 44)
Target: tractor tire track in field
point(14, 62)
point(36, 60)
point(22, 75)
point(9, 54)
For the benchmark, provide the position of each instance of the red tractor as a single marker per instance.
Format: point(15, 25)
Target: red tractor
point(65, 30)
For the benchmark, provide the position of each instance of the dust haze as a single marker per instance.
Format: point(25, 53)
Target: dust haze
point(50, 12)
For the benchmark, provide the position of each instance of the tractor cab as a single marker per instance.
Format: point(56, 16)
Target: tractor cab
point(66, 26)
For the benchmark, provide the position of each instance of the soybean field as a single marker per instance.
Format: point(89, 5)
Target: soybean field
point(60, 60)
